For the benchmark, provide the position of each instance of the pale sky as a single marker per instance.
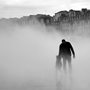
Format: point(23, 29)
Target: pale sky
point(19, 8)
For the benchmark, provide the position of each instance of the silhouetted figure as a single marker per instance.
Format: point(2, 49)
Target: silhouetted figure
point(65, 51)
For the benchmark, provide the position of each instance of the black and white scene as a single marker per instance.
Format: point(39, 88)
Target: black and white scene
point(44, 45)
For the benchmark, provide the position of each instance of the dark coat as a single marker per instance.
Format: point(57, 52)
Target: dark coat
point(65, 49)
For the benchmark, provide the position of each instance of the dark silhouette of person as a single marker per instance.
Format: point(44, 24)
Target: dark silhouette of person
point(65, 52)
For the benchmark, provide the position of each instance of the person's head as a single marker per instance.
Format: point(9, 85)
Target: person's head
point(63, 40)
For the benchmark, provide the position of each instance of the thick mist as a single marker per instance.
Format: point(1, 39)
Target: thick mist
point(28, 59)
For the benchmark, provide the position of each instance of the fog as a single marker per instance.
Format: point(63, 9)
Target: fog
point(28, 60)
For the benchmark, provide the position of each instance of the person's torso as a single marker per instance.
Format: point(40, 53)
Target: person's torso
point(65, 48)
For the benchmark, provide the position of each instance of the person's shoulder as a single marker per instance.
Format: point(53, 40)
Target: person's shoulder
point(61, 44)
point(68, 43)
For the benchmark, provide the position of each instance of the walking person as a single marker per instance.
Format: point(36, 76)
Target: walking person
point(65, 52)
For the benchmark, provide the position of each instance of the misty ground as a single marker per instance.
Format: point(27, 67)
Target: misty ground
point(28, 58)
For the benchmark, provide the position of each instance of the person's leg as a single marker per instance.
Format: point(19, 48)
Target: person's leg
point(64, 63)
point(69, 63)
